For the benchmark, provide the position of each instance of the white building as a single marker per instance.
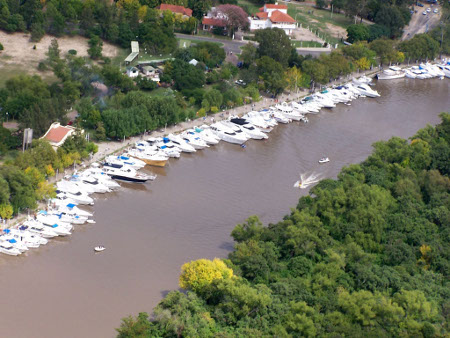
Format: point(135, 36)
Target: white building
point(57, 134)
point(133, 72)
point(273, 16)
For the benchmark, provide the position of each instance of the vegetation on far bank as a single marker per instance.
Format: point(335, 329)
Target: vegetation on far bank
point(364, 255)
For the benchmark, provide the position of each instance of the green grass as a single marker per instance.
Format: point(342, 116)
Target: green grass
point(9, 71)
point(311, 44)
point(184, 43)
point(250, 6)
point(194, 40)
point(160, 91)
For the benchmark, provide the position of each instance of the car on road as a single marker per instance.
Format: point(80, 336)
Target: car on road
point(424, 13)
point(435, 10)
point(428, 10)
point(420, 5)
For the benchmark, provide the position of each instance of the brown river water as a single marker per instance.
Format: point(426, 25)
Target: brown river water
point(63, 289)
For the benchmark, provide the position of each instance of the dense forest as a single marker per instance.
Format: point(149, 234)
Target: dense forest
point(365, 255)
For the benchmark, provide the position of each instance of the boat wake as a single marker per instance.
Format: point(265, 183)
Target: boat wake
point(307, 180)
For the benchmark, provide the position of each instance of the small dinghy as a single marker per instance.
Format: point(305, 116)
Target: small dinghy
point(298, 184)
point(324, 160)
point(99, 248)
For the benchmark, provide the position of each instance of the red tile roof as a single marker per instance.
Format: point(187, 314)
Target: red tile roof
point(262, 15)
point(214, 22)
point(175, 9)
point(272, 6)
point(57, 134)
point(278, 16)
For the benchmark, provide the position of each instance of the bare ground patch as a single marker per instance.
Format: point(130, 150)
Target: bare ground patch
point(19, 53)
point(336, 31)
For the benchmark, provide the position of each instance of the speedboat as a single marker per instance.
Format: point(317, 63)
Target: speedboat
point(9, 249)
point(257, 120)
point(120, 161)
point(362, 80)
point(445, 68)
point(279, 117)
point(227, 134)
point(166, 146)
point(154, 158)
point(194, 140)
point(236, 129)
point(249, 128)
point(206, 135)
point(324, 160)
point(101, 177)
point(268, 118)
point(289, 112)
point(89, 184)
point(16, 243)
point(128, 175)
point(180, 143)
point(99, 248)
point(28, 236)
point(38, 228)
point(410, 74)
point(78, 197)
point(392, 72)
point(367, 91)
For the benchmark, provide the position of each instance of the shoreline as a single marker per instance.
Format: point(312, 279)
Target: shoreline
point(114, 147)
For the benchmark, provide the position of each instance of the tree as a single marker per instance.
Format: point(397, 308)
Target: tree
point(235, 17)
point(392, 18)
point(95, 47)
point(186, 76)
point(248, 55)
point(295, 78)
point(210, 53)
point(420, 47)
point(273, 75)
point(358, 32)
point(198, 274)
point(385, 50)
point(321, 4)
point(275, 44)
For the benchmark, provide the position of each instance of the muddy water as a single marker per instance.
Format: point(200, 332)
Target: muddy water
point(65, 290)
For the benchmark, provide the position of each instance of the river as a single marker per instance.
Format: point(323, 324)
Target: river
point(65, 290)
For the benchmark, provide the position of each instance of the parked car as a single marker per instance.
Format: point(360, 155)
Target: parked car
point(424, 12)
point(420, 5)
point(428, 10)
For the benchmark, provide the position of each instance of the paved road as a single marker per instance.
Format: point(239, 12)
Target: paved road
point(228, 45)
point(420, 23)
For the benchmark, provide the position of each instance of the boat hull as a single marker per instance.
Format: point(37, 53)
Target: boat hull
point(129, 179)
point(155, 163)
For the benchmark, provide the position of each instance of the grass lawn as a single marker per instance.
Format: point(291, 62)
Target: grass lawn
point(331, 28)
point(194, 40)
point(160, 91)
point(9, 71)
point(250, 6)
point(184, 43)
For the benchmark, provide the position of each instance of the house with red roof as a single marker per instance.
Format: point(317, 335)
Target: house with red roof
point(176, 9)
point(273, 16)
point(57, 134)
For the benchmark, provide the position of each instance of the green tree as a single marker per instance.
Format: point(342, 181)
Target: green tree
point(357, 32)
point(95, 47)
point(275, 44)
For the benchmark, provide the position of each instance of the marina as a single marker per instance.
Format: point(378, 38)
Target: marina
point(245, 180)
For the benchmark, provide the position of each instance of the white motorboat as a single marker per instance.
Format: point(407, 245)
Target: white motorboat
point(236, 129)
point(289, 112)
point(9, 249)
point(77, 197)
point(205, 134)
point(279, 117)
point(324, 160)
point(249, 128)
point(194, 140)
point(257, 120)
point(53, 221)
point(410, 74)
point(40, 229)
point(392, 72)
point(445, 68)
point(120, 161)
point(325, 101)
point(128, 175)
point(180, 143)
point(268, 118)
point(362, 80)
point(102, 178)
point(227, 134)
point(24, 232)
point(166, 146)
point(90, 183)
point(99, 248)
point(18, 244)
point(149, 156)
point(367, 91)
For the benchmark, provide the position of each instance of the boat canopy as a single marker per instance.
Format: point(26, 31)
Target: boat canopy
point(6, 231)
point(198, 130)
point(166, 139)
point(71, 205)
point(12, 241)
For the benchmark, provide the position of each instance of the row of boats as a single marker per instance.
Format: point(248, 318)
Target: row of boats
point(65, 212)
point(423, 71)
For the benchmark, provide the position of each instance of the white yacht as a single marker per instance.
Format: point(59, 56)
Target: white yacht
point(38, 228)
point(324, 100)
point(445, 68)
point(28, 236)
point(9, 249)
point(77, 197)
point(289, 112)
point(120, 161)
point(89, 184)
point(249, 128)
point(69, 208)
point(227, 134)
point(102, 178)
point(149, 156)
point(279, 117)
point(268, 118)
point(392, 72)
point(180, 143)
point(367, 91)
point(166, 146)
point(205, 134)
point(128, 175)
point(16, 243)
point(362, 80)
point(236, 129)
point(257, 120)
point(194, 140)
